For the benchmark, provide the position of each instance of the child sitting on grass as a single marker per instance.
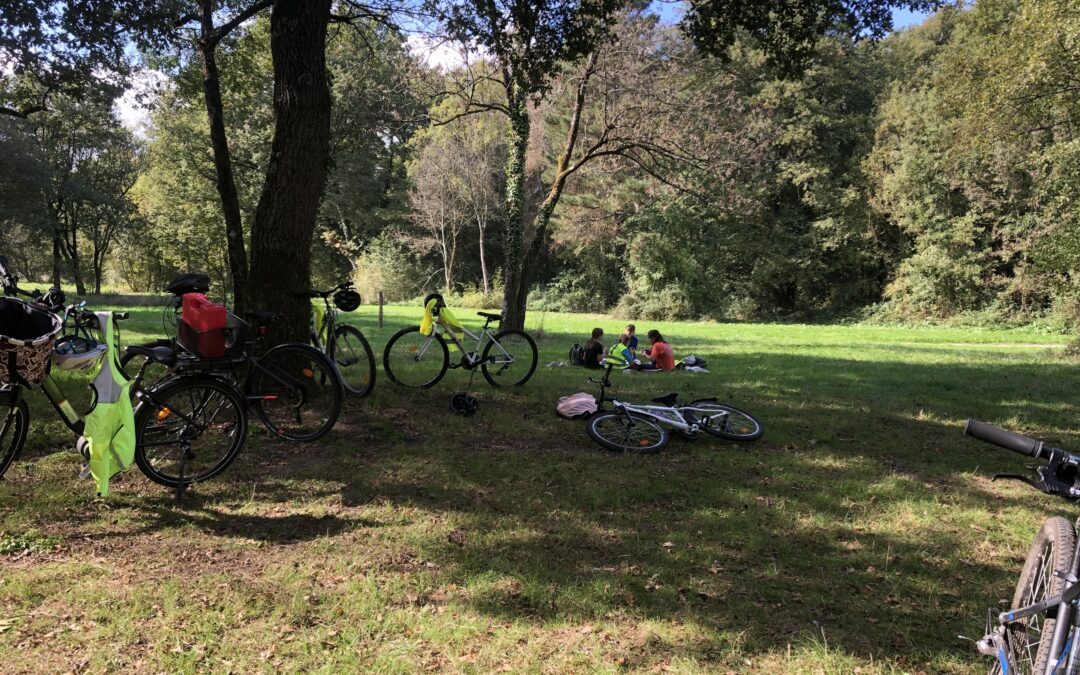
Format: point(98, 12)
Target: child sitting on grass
point(663, 358)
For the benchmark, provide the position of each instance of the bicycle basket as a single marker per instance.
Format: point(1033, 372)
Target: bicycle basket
point(347, 300)
point(27, 335)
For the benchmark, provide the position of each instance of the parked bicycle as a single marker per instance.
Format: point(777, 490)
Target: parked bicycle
point(345, 345)
point(294, 389)
point(187, 430)
point(418, 356)
point(1040, 633)
point(638, 428)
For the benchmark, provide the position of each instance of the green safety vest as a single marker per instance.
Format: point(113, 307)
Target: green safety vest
point(110, 426)
point(446, 317)
point(319, 309)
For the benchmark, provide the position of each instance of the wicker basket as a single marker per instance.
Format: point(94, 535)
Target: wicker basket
point(27, 335)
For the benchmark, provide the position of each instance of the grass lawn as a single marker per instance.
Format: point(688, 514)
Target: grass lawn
point(861, 534)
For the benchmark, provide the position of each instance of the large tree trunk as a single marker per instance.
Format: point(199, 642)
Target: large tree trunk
point(513, 315)
point(284, 223)
point(226, 183)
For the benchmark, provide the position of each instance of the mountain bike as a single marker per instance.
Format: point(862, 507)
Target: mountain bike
point(345, 345)
point(644, 428)
point(294, 389)
point(415, 359)
point(1040, 633)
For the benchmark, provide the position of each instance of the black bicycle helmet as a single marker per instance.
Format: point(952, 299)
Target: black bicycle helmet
point(194, 282)
point(347, 300)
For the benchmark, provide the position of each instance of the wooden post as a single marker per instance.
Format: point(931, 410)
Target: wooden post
point(380, 308)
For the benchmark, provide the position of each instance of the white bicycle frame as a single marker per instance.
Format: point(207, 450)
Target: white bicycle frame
point(672, 416)
point(474, 359)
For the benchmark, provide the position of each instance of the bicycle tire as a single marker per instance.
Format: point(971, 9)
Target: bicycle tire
point(159, 422)
point(288, 373)
point(612, 430)
point(497, 370)
point(423, 381)
point(364, 380)
point(739, 425)
point(14, 423)
point(1050, 553)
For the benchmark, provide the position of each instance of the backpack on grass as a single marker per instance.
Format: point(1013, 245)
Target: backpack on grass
point(577, 355)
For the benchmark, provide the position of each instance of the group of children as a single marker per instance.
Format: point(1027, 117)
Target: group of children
point(659, 353)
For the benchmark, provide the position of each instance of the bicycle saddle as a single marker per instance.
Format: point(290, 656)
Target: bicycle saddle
point(157, 354)
point(263, 318)
point(489, 316)
point(666, 399)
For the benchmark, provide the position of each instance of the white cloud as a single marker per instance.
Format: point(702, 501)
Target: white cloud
point(442, 54)
point(133, 108)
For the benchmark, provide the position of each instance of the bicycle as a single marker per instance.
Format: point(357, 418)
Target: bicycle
point(345, 345)
point(1040, 633)
point(413, 358)
point(643, 428)
point(294, 389)
point(189, 419)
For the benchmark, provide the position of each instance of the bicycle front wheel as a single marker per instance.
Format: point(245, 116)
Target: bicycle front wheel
point(296, 392)
point(350, 351)
point(619, 433)
point(413, 359)
point(726, 421)
point(191, 427)
point(1050, 555)
point(14, 421)
point(509, 358)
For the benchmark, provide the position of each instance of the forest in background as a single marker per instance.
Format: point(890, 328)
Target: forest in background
point(928, 176)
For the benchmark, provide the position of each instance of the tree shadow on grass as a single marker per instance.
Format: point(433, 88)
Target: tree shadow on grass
point(855, 515)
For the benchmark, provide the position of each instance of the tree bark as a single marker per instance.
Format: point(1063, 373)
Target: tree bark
point(513, 315)
point(226, 182)
point(285, 218)
point(483, 260)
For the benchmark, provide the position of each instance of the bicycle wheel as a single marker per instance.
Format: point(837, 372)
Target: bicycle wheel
point(296, 392)
point(199, 421)
point(512, 358)
point(726, 421)
point(1051, 552)
point(615, 432)
point(413, 359)
point(14, 421)
point(350, 351)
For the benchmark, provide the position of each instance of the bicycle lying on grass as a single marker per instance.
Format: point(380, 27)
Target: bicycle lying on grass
point(1040, 633)
point(345, 345)
point(415, 357)
point(644, 428)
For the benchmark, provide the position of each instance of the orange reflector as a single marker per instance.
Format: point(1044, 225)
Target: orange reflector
point(745, 430)
point(163, 413)
point(412, 349)
point(308, 372)
point(643, 442)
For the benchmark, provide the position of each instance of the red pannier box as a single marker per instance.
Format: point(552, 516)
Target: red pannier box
point(202, 326)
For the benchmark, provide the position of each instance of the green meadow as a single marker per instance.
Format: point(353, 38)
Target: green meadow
point(863, 533)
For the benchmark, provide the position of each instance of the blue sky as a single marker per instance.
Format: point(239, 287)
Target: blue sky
point(902, 18)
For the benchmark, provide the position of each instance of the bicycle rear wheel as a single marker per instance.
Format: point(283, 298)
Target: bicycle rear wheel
point(198, 422)
point(413, 359)
point(1050, 554)
point(296, 392)
point(726, 421)
point(14, 421)
point(509, 358)
point(614, 431)
point(350, 351)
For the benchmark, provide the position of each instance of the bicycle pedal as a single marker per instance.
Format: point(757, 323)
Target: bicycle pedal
point(84, 473)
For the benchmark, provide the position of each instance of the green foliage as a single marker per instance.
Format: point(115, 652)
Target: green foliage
point(388, 266)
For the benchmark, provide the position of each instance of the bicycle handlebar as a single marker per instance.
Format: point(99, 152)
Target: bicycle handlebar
point(1005, 439)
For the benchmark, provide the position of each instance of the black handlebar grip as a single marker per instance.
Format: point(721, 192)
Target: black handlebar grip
point(1004, 439)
